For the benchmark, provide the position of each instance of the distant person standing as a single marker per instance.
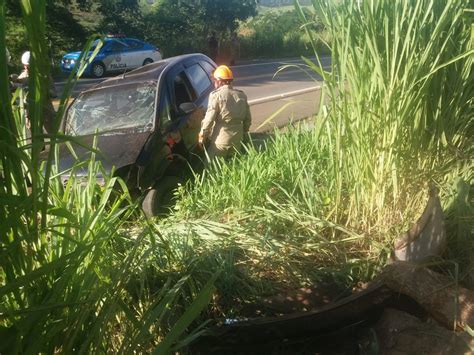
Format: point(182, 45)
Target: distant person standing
point(21, 80)
point(213, 45)
point(234, 48)
point(227, 119)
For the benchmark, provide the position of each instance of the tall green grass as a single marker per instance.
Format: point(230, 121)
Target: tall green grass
point(278, 208)
point(69, 258)
point(401, 111)
point(401, 98)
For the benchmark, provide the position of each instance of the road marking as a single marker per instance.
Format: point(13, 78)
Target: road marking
point(283, 95)
point(277, 75)
point(282, 61)
point(273, 76)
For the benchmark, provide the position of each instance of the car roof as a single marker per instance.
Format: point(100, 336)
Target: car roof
point(151, 71)
point(109, 39)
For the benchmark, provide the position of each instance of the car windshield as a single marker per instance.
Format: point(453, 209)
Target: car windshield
point(130, 106)
point(94, 45)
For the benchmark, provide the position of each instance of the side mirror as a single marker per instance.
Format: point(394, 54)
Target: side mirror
point(187, 107)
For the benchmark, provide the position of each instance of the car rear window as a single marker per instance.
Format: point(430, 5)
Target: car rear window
point(134, 44)
point(117, 46)
point(199, 78)
point(121, 107)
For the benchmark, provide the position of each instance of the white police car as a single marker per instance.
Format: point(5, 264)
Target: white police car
point(117, 54)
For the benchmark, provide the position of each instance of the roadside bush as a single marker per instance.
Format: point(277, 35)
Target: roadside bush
point(276, 34)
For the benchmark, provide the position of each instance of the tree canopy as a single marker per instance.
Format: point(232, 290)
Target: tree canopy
point(176, 26)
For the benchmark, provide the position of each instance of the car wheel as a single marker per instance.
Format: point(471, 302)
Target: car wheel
point(161, 198)
point(98, 70)
point(147, 61)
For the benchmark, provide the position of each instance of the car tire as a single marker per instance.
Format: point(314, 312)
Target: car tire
point(98, 70)
point(147, 61)
point(161, 198)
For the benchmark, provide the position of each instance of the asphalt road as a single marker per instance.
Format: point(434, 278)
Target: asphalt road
point(292, 91)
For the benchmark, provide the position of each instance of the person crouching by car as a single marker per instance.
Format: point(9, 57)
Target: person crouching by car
point(228, 119)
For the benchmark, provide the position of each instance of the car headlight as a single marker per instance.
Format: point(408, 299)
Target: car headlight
point(73, 61)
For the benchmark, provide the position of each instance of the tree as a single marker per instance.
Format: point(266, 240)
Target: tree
point(121, 16)
point(63, 31)
point(181, 26)
point(222, 15)
point(219, 15)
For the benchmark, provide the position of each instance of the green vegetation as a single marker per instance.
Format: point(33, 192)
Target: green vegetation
point(275, 32)
point(63, 31)
point(81, 270)
point(176, 27)
point(331, 198)
point(73, 277)
point(278, 33)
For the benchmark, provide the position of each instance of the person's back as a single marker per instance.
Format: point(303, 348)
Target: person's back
point(233, 116)
point(228, 116)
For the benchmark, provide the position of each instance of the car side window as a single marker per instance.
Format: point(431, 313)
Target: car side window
point(183, 91)
point(207, 67)
point(199, 78)
point(165, 111)
point(116, 46)
point(134, 44)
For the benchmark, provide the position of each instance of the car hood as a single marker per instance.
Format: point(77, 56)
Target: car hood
point(117, 149)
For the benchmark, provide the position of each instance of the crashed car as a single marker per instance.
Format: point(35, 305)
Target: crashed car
point(146, 123)
point(116, 55)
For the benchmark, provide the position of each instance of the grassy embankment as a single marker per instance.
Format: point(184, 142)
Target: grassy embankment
point(315, 202)
point(331, 199)
point(275, 33)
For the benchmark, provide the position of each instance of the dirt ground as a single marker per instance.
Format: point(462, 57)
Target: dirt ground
point(401, 333)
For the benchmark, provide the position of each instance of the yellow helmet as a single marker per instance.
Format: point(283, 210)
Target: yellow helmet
point(223, 72)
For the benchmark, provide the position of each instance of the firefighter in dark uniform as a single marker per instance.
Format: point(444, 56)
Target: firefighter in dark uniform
point(227, 119)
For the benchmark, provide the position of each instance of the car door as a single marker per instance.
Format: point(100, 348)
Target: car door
point(180, 90)
point(116, 56)
point(202, 85)
point(188, 82)
point(136, 53)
